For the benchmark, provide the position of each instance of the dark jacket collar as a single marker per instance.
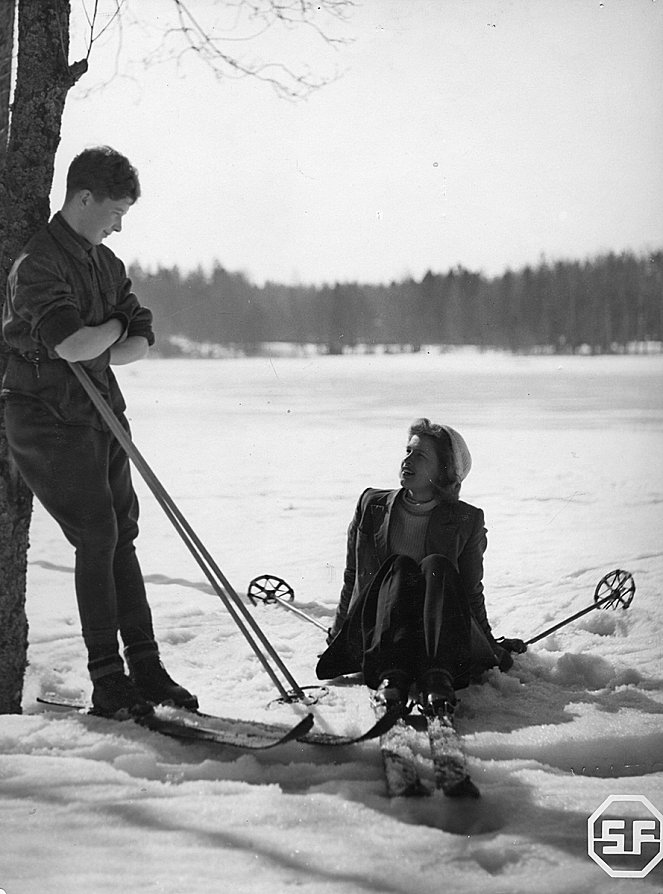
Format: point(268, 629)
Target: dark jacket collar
point(69, 239)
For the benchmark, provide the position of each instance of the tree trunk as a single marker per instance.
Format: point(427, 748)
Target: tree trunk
point(7, 8)
point(42, 81)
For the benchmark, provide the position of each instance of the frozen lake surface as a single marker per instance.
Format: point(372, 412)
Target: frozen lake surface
point(266, 458)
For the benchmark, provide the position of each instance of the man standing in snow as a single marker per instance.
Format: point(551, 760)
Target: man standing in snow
point(69, 301)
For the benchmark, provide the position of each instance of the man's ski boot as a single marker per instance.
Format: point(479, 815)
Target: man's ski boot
point(115, 695)
point(150, 677)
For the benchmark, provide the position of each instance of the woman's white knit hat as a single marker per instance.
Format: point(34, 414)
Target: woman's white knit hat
point(462, 456)
point(459, 449)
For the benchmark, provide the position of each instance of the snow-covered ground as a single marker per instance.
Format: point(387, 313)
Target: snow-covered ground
point(266, 458)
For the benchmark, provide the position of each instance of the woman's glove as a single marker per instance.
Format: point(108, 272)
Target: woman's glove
point(503, 649)
point(512, 645)
point(332, 633)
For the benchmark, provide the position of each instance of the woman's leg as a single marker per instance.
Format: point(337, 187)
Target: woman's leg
point(446, 621)
point(391, 621)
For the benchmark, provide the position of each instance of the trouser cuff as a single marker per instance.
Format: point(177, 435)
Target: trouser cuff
point(140, 651)
point(103, 667)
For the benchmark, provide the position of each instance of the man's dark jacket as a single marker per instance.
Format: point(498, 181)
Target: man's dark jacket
point(58, 284)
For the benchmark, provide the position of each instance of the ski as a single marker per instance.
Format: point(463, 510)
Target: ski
point(308, 737)
point(401, 743)
point(236, 734)
point(399, 761)
point(240, 733)
point(449, 761)
point(397, 747)
point(235, 738)
point(381, 725)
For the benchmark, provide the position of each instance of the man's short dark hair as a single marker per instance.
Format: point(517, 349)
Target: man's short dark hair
point(105, 172)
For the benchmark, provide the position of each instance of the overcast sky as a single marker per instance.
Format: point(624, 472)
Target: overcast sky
point(466, 132)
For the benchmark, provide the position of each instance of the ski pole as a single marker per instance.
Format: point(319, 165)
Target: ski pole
point(215, 576)
point(268, 588)
point(620, 588)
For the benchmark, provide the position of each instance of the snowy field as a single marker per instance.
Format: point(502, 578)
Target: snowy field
point(266, 458)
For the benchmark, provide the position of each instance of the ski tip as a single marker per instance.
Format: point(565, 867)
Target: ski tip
point(304, 726)
point(296, 732)
point(463, 789)
point(379, 728)
point(385, 722)
point(382, 725)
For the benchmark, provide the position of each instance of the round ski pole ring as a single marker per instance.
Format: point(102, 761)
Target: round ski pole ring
point(616, 588)
point(316, 693)
point(269, 588)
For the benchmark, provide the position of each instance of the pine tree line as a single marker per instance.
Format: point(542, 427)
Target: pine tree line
point(607, 304)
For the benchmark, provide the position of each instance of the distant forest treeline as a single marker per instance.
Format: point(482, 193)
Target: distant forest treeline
point(607, 304)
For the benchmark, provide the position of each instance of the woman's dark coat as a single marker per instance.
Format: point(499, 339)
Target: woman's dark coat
point(455, 530)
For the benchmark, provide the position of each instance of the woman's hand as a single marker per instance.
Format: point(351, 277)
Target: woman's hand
point(503, 647)
point(512, 645)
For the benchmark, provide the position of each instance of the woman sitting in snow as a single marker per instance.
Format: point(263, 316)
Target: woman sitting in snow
point(412, 609)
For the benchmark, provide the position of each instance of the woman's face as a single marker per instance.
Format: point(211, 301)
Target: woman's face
point(420, 468)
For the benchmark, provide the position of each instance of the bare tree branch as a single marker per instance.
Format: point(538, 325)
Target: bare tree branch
point(213, 31)
point(298, 13)
point(92, 22)
point(202, 41)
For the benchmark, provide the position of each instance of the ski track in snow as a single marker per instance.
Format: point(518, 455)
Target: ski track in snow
point(96, 806)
